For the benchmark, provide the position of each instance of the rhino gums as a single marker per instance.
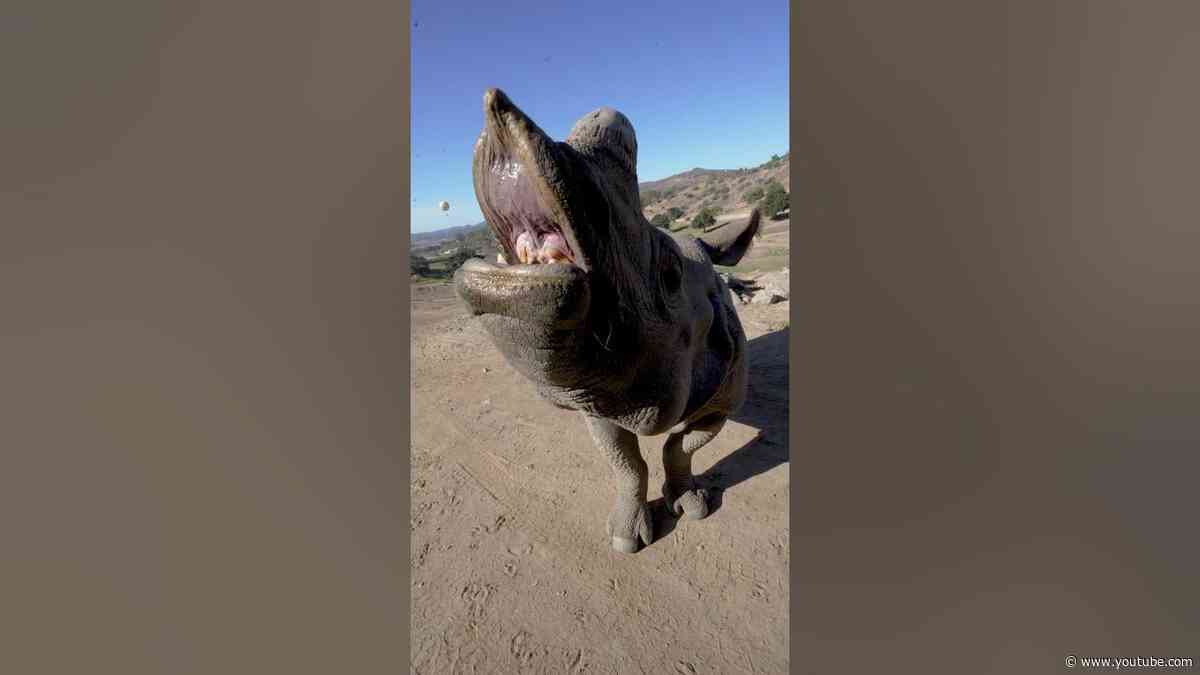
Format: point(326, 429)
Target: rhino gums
point(603, 312)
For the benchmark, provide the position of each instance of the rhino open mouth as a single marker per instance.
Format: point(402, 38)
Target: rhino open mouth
point(526, 230)
point(520, 182)
point(521, 178)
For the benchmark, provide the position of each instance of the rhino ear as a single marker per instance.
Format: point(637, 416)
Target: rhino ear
point(727, 246)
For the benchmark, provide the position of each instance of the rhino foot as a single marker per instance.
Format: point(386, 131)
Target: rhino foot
point(680, 493)
point(691, 504)
point(629, 524)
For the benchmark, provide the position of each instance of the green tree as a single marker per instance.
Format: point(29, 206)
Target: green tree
point(675, 213)
point(753, 196)
point(660, 220)
point(418, 265)
point(456, 259)
point(705, 218)
point(775, 200)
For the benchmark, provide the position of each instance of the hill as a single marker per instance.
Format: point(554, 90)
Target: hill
point(442, 235)
point(725, 191)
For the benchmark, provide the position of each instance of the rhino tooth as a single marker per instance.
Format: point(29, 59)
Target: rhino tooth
point(553, 249)
point(526, 248)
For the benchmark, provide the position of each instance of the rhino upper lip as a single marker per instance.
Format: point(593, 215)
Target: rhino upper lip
point(515, 164)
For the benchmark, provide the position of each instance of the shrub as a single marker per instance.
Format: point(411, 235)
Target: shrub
point(418, 265)
point(704, 218)
point(660, 220)
point(675, 213)
point(754, 195)
point(775, 200)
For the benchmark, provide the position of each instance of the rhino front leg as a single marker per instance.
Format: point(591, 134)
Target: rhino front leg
point(680, 493)
point(629, 520)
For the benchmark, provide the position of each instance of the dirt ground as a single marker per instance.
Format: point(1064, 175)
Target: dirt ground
point(511, 567)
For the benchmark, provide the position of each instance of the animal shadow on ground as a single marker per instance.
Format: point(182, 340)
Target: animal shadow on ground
point(766, 409)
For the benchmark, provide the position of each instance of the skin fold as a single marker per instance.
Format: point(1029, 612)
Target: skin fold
point(612, 317)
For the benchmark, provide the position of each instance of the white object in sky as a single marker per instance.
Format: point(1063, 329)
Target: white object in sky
point(445, 206)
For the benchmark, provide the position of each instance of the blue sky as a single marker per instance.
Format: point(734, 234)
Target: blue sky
point(704, 83)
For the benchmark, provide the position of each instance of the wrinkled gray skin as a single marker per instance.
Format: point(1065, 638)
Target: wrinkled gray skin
point(626, 323)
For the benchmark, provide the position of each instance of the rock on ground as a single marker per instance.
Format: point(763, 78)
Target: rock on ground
point(765, 289)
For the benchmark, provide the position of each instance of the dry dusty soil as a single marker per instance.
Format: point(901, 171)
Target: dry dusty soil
point(511, 567)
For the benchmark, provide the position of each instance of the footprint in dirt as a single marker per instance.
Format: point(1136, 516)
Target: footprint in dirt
point(524, 649)
point(475, 597)
point(518, 545)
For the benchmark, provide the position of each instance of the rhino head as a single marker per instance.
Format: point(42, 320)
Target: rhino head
point(603, 312)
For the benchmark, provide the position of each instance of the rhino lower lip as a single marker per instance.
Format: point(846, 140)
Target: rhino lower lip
point(544, 262)
point(501, 262)
point(556, 297)
point(518, 271)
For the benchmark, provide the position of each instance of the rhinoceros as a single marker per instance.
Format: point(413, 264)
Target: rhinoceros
point(605, 314)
